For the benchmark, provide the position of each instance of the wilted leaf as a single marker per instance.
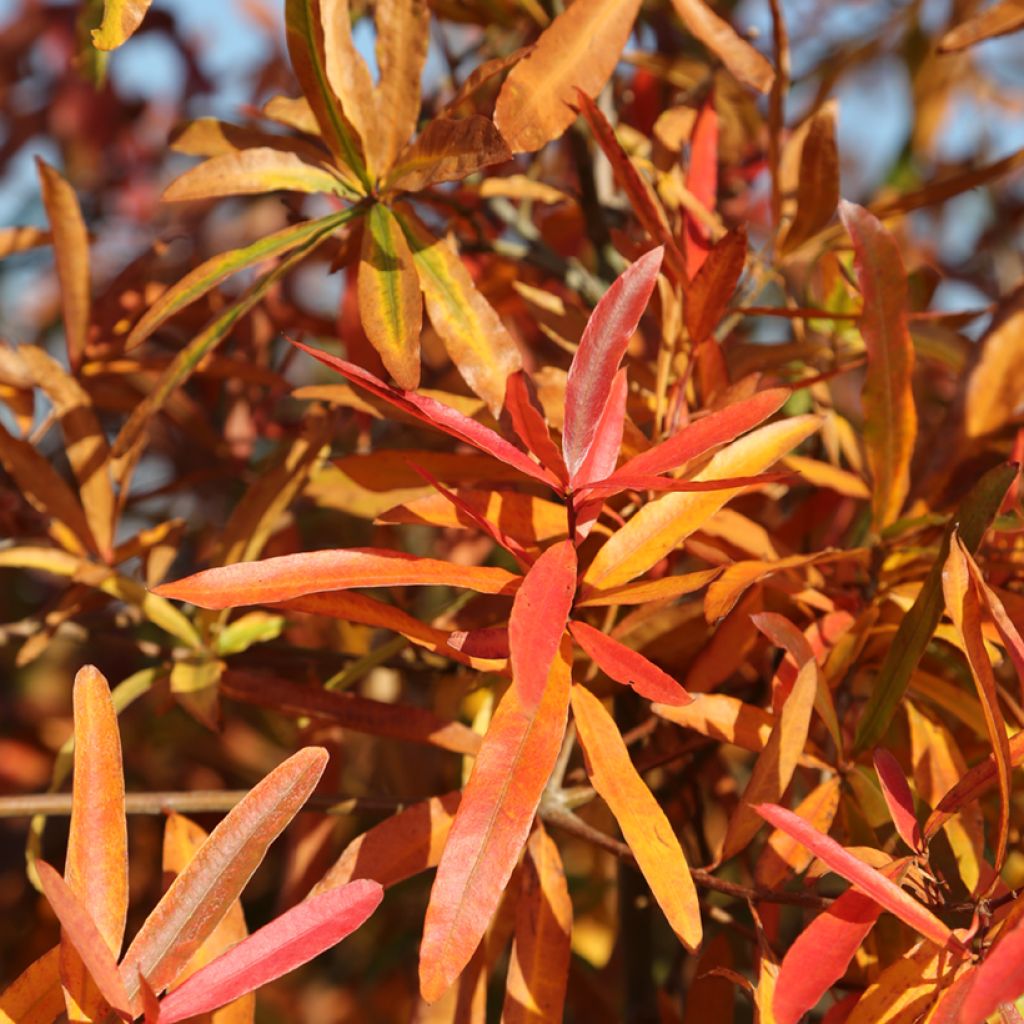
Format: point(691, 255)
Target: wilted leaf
point(578, 50)
point(491, 826)
point(644, 825)
point(890, 417)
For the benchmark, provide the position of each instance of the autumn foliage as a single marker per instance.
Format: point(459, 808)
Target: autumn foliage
point(527, 462)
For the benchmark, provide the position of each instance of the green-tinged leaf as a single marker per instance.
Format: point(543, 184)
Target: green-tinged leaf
point(304, 31)
point(476, 339)
point(644, 825)
point(120, 20)
point(916, 628)
point(189, 358)
point(196, 283)
point(578, 50)
point(71, 248)
point(447, 151)
point(491, 826)
point(390, 305)
point(538, 969)
point(253, 171)
point(661, 525)
point(247, 630)
point(201, 895)
point(890, 417)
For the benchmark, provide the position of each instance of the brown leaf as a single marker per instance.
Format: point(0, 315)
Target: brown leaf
point(447, 150)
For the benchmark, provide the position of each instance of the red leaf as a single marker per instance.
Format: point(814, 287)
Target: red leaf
point(537, 623)
point(999, 978)
point(867, 879)
point(708, 294)
point(491, 826)
point(529, 424)
point(600, 351)
point(318, 572)
point(437, 414)
point(604, 450)
point(702, 182)
point(78, 928)
point(486, 642)
point(704, 434)
point(898, 798)
point(821, 953)
point(291, 940)
point(628, 667)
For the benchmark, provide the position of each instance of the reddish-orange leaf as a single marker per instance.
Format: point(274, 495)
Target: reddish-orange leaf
point(628, 667)
point(399, 721)
point(999, 978)
point(869, 881)
point(71, 247)
point(604, 450)
point(600, 351)
point(537, 623)
point(709, 293)
point(529, 424)
point(202, 894)
point(578, 50)
point(818, 183)
point(80, 930)
point(317, 572)
point(890, 418)
point(491, 826)
point(702, 182)
point(398, 848)
point(898, 798)
point(745, 63)
point(964, 607)
point(35, 996)
point(638, 192)
point(538, 969)
point(644, 825)
point(96, 869)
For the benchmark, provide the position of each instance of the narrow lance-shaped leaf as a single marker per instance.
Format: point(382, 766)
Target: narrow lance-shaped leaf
point(600, 351)
point(491, 826)
point(662, 524)
point(998, 19)
point(607, 443)
point(628, 667)
point(578, 50)
point(287, 942)
point(745, 63)
point(390, 305)
point(999, 978)
point(712, 287)
point(782, 856)
point(71, 248)
point(538, 969)
point(314, 572)
point(35, 996)
point(869, 881)
point(537, 623)
point(476, 339)
point(818, 185)
point(79, 929)
point(890, 418)
point(444, 417)
point(975, 513)
point(898, 798)
point(964, 607)
point(702, 182)
point(644, 825)
point(120, 20)
point(529, 424)
point(200, 896)
point(96, 869)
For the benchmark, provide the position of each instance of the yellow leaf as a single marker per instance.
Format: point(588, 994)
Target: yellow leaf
point(120, 20)
point(996, 384)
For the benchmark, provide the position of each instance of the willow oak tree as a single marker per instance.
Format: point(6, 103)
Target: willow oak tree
point(659, 590)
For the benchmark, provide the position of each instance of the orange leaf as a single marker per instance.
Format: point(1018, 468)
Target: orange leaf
point(202, 894)
point(709, 293)
point(71, 246)
point(964, 606)
point(890, 418)
point(665, 589)
point(782, 855)
point(491, 826)
point(578, 50)
point(314, 572)
point(398, 848)
point(35, 996)
point(997, 378)
point(644, 825)
point(999, 19)
point(390, 305)
point(818, 183)
point(538, 969)
point(745, 63)
point(537, 623)
point(529, 424)
point(721, 717)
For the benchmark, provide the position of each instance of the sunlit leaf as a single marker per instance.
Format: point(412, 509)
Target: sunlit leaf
point(120, 20)
point(702, 183)
point(782, 855)
point(722, 717)
point(644, 825)
point(898, 798)
point(447, 151)
point(999, 978)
